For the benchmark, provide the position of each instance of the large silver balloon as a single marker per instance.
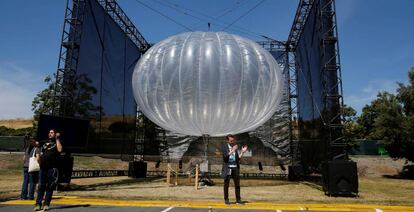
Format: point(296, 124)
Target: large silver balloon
point(211, 83)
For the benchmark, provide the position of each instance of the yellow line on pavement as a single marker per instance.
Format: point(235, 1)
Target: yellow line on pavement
point(73, 200)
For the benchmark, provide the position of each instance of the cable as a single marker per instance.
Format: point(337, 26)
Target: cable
point(194, 11)
point(165, 16)
point(226, 11)
point(238, 4)
point(210, 18)
point(247, 12)
point(174, 8)
point(245, 32)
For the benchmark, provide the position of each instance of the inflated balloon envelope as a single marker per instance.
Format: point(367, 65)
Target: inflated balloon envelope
point(207, 83)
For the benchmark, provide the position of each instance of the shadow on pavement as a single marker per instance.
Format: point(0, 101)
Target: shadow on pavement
point(70, 206)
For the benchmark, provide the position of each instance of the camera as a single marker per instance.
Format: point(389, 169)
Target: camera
point(27, 136)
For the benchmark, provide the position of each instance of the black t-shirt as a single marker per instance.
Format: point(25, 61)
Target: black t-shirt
point(49, 155)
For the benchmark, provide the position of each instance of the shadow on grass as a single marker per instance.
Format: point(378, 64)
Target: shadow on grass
point(407, 173)
point(313, 181)
point(10, 195)
point(108, 185)
point(133, 183)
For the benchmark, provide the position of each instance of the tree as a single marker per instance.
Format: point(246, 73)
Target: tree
point(406, 97)
point(390, 118)
point(352, 129)
point(81, 105)
point(367, 119)
point(406, 94)
point(390, 124)
point(43, 102)
point(5, 131)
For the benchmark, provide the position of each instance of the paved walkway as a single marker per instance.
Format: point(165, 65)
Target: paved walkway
point(158, 205)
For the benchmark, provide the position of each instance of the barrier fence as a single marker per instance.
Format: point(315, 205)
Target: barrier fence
point(114, 173)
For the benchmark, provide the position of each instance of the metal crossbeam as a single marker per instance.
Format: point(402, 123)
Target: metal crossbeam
point(295, 33)
point(68, 57)
point(119, 16)
point(302, 13)
point(331, 65)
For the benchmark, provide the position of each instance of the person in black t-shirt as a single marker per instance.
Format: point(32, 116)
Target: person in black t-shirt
point(48, 175)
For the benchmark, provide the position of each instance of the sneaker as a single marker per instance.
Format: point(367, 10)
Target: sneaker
point(227, 202)
point(46, 208)
point(239, 202)
point(37, 208)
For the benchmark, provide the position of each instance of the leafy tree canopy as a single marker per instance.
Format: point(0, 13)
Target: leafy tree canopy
point(390, 118)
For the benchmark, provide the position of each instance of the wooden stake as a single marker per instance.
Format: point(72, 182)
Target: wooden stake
point(196, 178)
point(168, 175)
point(176, 176)
point(189, 177)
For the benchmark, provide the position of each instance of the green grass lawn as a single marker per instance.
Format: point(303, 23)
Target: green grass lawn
point(372, 190)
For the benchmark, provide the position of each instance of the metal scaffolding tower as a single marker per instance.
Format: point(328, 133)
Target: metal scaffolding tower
point(299, 21)
point(332, 93)
point(68, 57)
point(287, 113)
point(69, 53)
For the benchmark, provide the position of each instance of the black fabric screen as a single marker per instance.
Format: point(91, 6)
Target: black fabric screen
point(74, 132)
point(317, 86)
point(310, 90)
point(107, 58)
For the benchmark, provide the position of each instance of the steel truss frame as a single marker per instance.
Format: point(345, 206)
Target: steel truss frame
point(290, 80)
point(294, 104)
point(332, 93)
point(119, 16)
point(68, 57)
point(70, 43)
point(299, 21)
point(69, 52)
point(333, 122)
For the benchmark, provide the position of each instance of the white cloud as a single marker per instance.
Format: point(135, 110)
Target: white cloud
point(15, 101)
point(18, 86)
point(369, 93)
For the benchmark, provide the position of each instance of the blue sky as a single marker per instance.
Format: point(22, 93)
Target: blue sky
point(376, 39)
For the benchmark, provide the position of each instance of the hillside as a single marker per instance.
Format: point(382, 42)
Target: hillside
point(16, 123)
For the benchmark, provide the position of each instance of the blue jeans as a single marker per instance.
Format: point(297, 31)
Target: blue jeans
point(28, 181)
point(47, 183)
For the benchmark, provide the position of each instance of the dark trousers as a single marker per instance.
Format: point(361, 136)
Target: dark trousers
point(47, 183)
point(28, 181)
point(235, 174)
